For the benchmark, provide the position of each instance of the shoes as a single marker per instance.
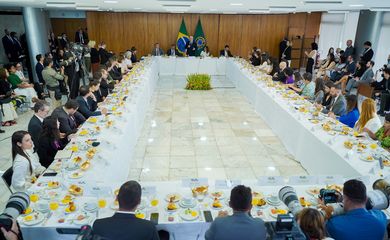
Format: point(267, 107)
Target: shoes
point(2, 131)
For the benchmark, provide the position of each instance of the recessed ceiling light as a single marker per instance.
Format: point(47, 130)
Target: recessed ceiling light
point(338, 11)
point(200, 123)
point(110, 1)
point(213, 10)
point(356, 5)
point(150, 140)
point(236, 4)
point(207, 168)
point(203, 138)
point(271, 168)
point(61, 4)
point(87, 8)
point(259, 10)
point(137, 8)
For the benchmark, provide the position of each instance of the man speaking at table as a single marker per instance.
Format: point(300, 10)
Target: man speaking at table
point(191, 47)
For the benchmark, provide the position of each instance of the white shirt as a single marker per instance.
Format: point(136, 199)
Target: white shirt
point(20, 75)
point(125, 212)
point(373, 124)
point(21, 178)
point(205, 54)
point(127, 62)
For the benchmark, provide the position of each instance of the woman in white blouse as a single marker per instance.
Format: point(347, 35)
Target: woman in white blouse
point(127, 60)
point(368, 120)
point(25, 164)
point(205, 52)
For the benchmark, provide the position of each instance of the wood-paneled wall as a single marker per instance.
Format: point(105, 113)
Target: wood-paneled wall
point(121, 31)
point(68, 26)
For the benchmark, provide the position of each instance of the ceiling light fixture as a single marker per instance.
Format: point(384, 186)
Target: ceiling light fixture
point(338, 11)
point(87, 8)
point(110, 1)
point(259, 10)
point(380, 9)
point(356, 5)
point(61, 4)
point(282, 9)
point(236, 4)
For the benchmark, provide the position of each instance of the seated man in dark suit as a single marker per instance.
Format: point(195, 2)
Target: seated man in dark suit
point(68, 117)
point(225, 52)
point(240, 225)
point(88, 104)
point(172, 51)
point(113, 69)
point(124, 225)
point(41, 110)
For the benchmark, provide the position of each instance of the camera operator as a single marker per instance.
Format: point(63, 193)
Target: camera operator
point(13, 233)
point(384, 87)
point(357, 222)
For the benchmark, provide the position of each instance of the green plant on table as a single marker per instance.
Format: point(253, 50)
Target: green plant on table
point(198, 82)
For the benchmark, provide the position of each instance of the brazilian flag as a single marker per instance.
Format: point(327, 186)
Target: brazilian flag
point(182, 38)
point(199, 38)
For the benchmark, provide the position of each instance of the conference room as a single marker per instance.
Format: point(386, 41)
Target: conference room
point(195, 119)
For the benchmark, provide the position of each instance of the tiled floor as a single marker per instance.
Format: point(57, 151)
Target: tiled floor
point(214, 134)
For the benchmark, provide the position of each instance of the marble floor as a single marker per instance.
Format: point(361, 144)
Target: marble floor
point(214, 134)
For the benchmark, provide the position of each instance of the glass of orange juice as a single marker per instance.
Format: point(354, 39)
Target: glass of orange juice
point(53, 206)
point(102, 203)
point(373, 146)
point(34, 197)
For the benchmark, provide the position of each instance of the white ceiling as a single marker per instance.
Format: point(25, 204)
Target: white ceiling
point(207, 6)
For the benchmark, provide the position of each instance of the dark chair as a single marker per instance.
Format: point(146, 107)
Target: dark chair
point(7, 177)
point(365, 90)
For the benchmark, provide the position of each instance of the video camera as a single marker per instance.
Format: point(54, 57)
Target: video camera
point(17, 203)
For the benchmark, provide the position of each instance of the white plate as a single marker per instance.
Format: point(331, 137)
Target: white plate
point(90, 209)
point(187, 205)
point(222, 195)
point(188, 217)
point(271, 202)
point(39, 217)
point(364, 157)
point(81, 174)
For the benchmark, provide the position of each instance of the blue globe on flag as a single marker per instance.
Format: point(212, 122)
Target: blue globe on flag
point(200, 42)
point(181, 43)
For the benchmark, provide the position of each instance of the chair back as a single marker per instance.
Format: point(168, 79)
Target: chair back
point(365, 90)
point(7, 177)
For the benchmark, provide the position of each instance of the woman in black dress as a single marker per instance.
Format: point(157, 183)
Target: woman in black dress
point(311, 57)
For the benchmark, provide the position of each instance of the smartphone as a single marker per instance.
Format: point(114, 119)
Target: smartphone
point(49, 174)
point(154, 218)
point(207, 216)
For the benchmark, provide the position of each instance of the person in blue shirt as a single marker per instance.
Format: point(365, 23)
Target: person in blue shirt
point(352, 115)
point(357, 223)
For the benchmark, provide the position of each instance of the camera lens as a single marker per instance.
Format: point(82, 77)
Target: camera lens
point(289, 197)
point(377, 199)
point(17, 203)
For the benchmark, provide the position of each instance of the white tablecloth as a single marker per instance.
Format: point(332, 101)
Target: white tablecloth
point(318, 152)
point(308, 144)
point(183, 66)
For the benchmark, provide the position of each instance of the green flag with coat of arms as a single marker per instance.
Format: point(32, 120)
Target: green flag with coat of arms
point(199, 38)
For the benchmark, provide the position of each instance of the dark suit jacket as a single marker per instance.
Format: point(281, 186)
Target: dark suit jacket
point(35, 129)
point(86, 109)
point(222, 53)
point(104, 55)
point(38, 69)
point(123, 226)
point(367, 55)
point(134, 58)
point(349, 51)
point(171, 52)
point(191, 48)
point(282, 46)
point(68, 124)
point(105, 87)
point(8, 45)
point(95, 56)
point(64, 42)
point(115, 73)
point(47, 149)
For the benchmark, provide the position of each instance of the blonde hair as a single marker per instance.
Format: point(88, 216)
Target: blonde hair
point(91, 44)
point(368, 112)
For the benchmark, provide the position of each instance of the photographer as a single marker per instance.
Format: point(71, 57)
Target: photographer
point(384, 87)
point(13, 233)
point(357, 222)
